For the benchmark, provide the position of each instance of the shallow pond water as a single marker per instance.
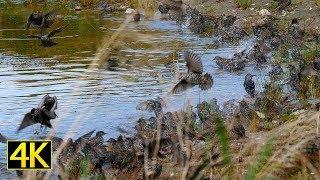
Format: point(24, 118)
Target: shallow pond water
point(97, 97)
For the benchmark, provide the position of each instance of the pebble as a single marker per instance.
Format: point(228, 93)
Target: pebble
point(77, 8)
point(264, 12)
point(129, 11)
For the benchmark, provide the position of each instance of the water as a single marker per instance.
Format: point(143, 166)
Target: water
point(99, 98)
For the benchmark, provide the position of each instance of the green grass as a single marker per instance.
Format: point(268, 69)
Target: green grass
point(223, 141)
point(243, 4)
point(264, 155)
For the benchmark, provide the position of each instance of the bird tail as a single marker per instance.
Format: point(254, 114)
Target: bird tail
point(206, 82)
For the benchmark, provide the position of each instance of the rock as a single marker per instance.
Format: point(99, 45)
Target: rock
point(261, 115)
point(77, 8)
point(129, 11)
point(264, 12)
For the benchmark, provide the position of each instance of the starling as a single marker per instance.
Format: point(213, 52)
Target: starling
point(136, 16)
point(42, 21)
point(245, 110)
point(295, 30)
point(194, 75)
point(197, 22)
point(283, 4)
point(42, 114)
point(82, 140)
point(151, 105)
point(276, 71)
point(237, 63)
point(46, 40)
point(239, 130)
point(249, 85)
point(163, 8)
point(98, 139)
point(257, 55)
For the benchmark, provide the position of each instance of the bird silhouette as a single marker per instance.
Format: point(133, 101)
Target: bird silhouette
point(42, 114)
point(40, 20)
point(194, 76)
point(46, 40)
point(249, 85)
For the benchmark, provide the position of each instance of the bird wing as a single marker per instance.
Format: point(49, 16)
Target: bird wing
point(28, 120)
point(51, 114)
point(29, 21)
point(43, 100)
point(84, 137)
point(55, 31)
point(50, 15)
point(194, 63)
point(181, 86)
point(55, 106)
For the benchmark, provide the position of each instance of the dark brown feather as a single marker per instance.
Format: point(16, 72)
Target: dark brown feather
point(206, 82)
point(28, 120)
point(181, 86)
point(194, 63)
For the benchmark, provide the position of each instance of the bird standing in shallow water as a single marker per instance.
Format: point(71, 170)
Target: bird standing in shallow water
point(42, 114)
point(46, 40)
point(249, 85)
point(194, 76)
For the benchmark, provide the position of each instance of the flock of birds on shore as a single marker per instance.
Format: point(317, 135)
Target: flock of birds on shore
point(194, 76)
